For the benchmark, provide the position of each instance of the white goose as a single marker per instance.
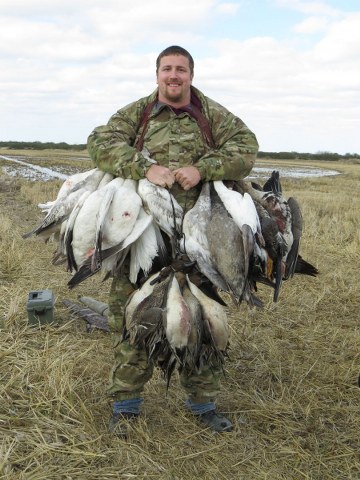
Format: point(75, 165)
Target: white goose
point(241, 207)
point(163, 207)
point(65, 188)
point(113, 257)
point(104, 244)
point(145, 248)
point(119, 215)
point(65, 242)
point(63, 207)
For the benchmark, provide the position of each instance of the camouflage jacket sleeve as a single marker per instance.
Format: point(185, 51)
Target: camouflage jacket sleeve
point(235, 149)
point(111, 146)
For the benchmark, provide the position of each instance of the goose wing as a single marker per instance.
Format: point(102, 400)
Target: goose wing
point(163, 207)
point(84, 228)
point(296, 228)
point(101, 218)
point(121, 227)
point(65, 244)
point(72, 183)
point(145, 248)
point(240, 207)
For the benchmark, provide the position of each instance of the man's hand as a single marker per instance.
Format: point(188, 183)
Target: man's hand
point(161, 176)
point(187, 177)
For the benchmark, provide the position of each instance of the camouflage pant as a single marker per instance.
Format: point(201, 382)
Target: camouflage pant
point(132, 368)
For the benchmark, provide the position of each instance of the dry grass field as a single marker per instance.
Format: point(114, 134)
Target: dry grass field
point(291, 381)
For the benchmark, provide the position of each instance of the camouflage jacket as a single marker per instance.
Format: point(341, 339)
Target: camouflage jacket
point(174, 141)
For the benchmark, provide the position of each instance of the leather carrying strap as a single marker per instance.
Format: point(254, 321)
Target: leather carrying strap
point(192, 110)
point(144, 120)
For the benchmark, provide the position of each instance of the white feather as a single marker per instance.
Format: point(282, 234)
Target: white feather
point(118, 219)
point(161, 204)
point(143, 251)
point(241, 207)
point(178, 324)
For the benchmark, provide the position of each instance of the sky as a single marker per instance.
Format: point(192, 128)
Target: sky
point(290, 69)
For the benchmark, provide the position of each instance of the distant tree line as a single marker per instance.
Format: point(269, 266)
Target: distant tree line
point(275, 155)
point(329, 156)
point(41, 146)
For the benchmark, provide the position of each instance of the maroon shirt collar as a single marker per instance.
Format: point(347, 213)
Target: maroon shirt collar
point(194, 101)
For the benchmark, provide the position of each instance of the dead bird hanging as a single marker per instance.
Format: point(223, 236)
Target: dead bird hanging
point(236, 235)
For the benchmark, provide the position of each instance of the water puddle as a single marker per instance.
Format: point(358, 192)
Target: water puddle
point(36, 173)
point(292, 172)
point(30, 171)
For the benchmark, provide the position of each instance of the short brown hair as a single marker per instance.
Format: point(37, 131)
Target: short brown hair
point(175, 50)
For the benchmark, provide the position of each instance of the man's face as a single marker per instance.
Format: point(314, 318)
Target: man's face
point(174, 80)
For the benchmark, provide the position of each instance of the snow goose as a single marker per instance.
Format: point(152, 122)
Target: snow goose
point(117, 209)
point(143, 251)
point(63, 207)
point(163, 207)
point(240, 207)
point(104, 227)
point(65, 188)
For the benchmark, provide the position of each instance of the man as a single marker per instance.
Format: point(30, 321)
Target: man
point(176, 138)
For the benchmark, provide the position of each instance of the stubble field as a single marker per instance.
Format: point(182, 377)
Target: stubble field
point(291, 381)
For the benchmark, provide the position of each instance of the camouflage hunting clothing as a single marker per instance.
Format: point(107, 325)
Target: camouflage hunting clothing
point(174, 141)
point(132, 369)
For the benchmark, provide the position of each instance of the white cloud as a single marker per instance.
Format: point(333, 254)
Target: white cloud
point(67, 66)
point(312, 25)
point(342, 42)
point(310, 8)
point(228, 8)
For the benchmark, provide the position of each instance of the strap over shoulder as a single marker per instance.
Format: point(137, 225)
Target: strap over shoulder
point(192, 109)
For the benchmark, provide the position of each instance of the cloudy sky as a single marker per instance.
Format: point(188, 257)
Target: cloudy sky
point(289, 68)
